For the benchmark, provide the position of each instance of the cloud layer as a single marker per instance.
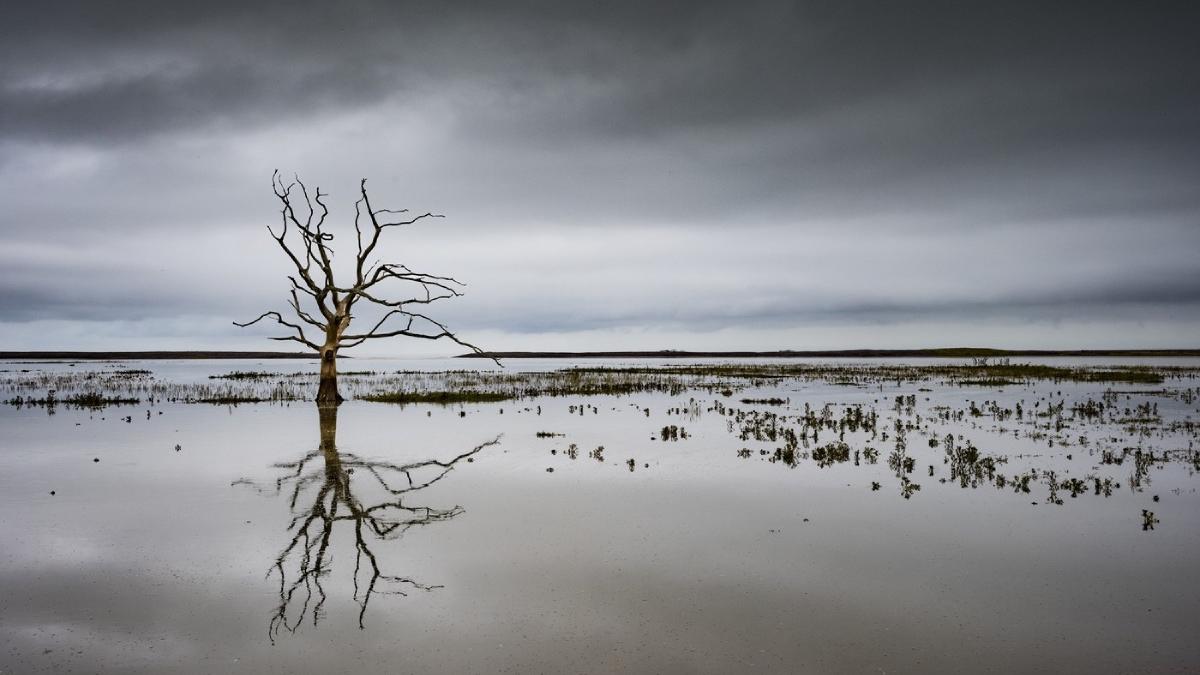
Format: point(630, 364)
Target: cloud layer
point(758, 175)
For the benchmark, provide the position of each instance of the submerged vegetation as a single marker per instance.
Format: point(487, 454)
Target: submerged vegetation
point(1047, 433)
point(118, 386)
point(81, 400)
point(968, 373)
point(436, 397)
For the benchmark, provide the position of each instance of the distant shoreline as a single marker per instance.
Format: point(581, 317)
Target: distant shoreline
point(140, 356)
point(949, 353)
point(954, 352)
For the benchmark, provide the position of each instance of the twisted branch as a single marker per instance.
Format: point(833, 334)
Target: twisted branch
point(304, 240)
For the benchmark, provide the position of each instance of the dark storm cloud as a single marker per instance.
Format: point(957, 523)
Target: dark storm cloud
point(102, 72)
point(1026, 159)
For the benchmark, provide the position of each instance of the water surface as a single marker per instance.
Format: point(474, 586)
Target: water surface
point(263, 538)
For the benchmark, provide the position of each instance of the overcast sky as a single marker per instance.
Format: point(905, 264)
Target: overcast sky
point(646, 175)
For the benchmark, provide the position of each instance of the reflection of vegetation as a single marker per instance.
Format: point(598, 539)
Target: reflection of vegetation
point(1148, 520)
point(832, 453)
point(262, 375)
point(322, 493)
point(232, 399)
point(968, 465)
point(673, 432)
point(907, 487)
point(1048, 421)
point(950, 372)
point(436, 397)
point(90, 400)
point(1075, 430)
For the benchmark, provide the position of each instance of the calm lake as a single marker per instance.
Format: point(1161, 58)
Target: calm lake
point(861, 516)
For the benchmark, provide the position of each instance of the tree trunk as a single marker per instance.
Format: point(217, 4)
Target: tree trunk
point(327, 393)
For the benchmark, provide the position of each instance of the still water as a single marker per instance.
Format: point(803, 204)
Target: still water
point(172, 537)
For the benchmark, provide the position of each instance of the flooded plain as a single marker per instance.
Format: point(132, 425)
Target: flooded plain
point(601, 516)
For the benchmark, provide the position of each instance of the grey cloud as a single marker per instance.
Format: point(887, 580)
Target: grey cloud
point(1156, 302)
point(619, 68)
point(1039, 161)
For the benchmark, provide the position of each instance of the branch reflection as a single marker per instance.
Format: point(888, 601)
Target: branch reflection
point(323, 492)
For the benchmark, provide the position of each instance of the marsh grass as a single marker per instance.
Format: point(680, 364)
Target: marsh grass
point(91, 400)
point(473, 386)
point(1122, 435)
point(436, 397)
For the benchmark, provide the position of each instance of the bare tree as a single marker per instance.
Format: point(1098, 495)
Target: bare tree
point(328, 307)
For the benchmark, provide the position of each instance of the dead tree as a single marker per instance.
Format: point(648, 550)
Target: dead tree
point(326, 306)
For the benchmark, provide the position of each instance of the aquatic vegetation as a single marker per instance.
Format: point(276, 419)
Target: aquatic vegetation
point(263, 375)
point(831, 453)
point(435, 397)
point(253, 375)
point(1050, 420)
point(759, 374)
point(235, 400)
point(91, 400)
point(1148, 520)
point(1073, 427)
point(969, 466)
point(488, 385)
point(673, 433)
point(785, 455)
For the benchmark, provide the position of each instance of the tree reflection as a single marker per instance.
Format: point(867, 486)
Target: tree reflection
point(323, 492)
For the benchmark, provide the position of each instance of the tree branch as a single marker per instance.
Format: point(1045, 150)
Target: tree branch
point(300, 337)
point(303, 215)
